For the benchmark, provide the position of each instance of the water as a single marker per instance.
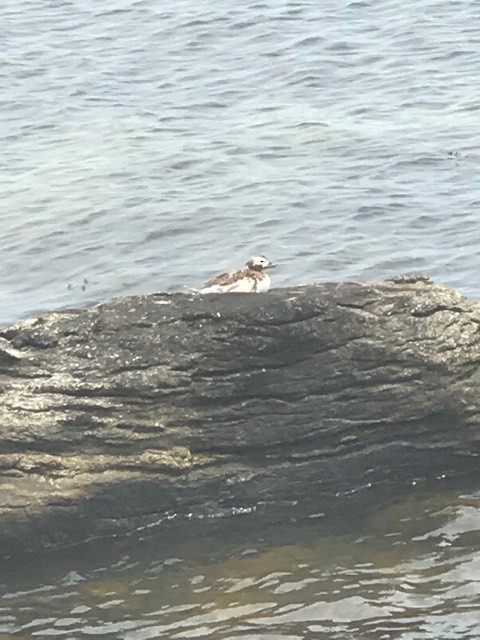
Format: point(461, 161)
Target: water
point(147, 147)
point(408, 571)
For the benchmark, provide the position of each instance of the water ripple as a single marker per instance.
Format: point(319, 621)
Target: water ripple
point(408, 571)
point(184, 140)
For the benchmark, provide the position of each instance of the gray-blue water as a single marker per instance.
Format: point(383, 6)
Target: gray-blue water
point(148, 145)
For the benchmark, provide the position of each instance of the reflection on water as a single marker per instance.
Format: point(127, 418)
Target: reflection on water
point(411, 571)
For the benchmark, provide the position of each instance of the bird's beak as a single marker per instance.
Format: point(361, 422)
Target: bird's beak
point(270, 266)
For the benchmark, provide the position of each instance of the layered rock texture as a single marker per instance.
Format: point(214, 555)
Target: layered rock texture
point(142, 409)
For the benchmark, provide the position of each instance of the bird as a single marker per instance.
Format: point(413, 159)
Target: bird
point(251, 279)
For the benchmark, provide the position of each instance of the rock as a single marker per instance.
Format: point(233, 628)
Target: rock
point(141, 409)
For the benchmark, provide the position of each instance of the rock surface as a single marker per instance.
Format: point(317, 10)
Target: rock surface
point(119, 416)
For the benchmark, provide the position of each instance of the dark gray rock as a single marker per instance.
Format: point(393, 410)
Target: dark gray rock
point(122, 415)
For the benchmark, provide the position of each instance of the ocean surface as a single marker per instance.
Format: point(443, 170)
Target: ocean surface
point(149, 145)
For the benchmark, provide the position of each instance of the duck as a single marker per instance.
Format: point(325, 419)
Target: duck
point(252, 278)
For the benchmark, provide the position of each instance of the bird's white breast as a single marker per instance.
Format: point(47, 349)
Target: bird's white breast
point(263, 284)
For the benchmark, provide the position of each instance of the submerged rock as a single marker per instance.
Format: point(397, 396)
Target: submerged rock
point(119, 416)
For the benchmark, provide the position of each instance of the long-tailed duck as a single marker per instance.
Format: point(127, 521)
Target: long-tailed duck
point(251, 279)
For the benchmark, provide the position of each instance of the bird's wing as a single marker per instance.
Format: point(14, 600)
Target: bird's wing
point(224, 279)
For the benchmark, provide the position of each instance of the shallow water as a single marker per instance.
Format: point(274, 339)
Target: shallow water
point(145, 147)
point(409, 570)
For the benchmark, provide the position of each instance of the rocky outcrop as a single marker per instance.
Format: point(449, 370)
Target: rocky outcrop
point(144, 408)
